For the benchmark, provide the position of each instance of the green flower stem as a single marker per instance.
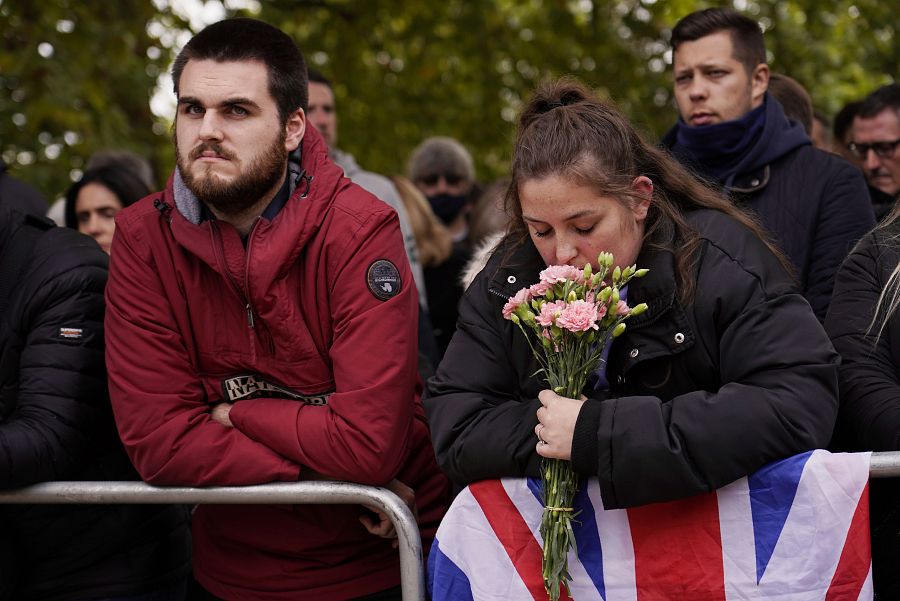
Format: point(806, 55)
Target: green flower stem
point(566, 360)
point(560, 483)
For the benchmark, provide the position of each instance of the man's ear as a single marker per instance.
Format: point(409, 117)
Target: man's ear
point(294, 130)
point(643, 189)
point(759, 83)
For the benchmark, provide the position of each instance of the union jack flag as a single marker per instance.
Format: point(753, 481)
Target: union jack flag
point(795, 530)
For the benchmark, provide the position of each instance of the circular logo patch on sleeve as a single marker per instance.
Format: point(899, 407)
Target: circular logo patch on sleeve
point(383, 279)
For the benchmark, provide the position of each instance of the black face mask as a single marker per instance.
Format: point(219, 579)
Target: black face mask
point(448, 206)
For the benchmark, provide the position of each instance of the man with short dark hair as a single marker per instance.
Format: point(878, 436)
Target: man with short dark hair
point(261, 327)
point(732, 132)
point(875, 137)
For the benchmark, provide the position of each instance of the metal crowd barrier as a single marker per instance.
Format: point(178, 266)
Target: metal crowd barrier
point(412, 578)
point(885, 465)
point(412, 581)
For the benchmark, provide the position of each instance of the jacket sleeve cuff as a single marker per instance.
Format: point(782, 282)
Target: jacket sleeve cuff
point(271, 422)
point(584, 440)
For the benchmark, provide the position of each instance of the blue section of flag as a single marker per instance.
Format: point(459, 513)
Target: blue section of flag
point(590, 552)
point(772, 492)
point(453, 584)
point(534, 485)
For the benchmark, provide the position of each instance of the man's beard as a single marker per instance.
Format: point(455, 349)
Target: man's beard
point(247, 189)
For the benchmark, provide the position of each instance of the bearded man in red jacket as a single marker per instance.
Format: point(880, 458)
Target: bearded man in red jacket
point(261, 327)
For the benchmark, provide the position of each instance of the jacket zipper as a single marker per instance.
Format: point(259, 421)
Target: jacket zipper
point(250, 319)
point(220, 255)
point(262, 332)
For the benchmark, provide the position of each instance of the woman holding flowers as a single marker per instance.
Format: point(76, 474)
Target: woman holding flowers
point(726, 368)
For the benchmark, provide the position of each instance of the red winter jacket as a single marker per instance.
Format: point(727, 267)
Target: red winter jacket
point(191, 311)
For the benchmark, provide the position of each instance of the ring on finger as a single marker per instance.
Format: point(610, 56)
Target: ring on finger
point(540, 435)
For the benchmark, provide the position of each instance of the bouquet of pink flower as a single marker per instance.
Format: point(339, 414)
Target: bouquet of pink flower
point(572, 314)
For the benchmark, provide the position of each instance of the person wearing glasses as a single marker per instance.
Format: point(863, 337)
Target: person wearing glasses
point(443, 171)
point(876, 135)
point(733, 132)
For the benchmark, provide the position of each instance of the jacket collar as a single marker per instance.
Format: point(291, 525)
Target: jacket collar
point(518, 266)
point(752, 181)
point(672, 332)
point(657, 288)
point(316, 184)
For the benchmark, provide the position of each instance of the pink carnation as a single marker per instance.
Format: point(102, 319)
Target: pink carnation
point(561, 273)
point(550, 312)
point(578, 316)
point(521, 297)
point(539, 289)
point(622, 308)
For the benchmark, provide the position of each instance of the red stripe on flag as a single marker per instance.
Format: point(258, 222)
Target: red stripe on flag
point(515, 535)
point(856, 556)
point(678, 550)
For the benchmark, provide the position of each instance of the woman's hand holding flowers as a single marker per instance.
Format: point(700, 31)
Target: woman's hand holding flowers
point(556, 425)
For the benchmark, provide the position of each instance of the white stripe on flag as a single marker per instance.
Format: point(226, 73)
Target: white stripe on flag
point(467, 539)
point(736, 529)
point(618, 550)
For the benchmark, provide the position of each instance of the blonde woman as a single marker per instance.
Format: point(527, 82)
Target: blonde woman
point(864, 327)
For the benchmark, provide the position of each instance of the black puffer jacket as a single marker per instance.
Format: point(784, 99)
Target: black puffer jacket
point(700, 395)
point(870, 373)
point(56, 424)
point(869, 417)
point(813, 204)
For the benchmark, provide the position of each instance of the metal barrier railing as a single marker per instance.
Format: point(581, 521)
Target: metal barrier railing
point(885, 465)
point(412, 579)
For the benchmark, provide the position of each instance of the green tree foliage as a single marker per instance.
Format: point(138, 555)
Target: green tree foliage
point(402, 70)
point(461, 68)
point(76, 77)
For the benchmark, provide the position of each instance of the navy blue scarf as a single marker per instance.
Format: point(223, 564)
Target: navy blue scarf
point(727, 150)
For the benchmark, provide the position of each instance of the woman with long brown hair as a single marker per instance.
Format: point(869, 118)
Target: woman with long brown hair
point(726, 371)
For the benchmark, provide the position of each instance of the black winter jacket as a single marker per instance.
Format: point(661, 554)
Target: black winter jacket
point(869, 417)
point(813, 204)
point(56, 424)
point(700, 395)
